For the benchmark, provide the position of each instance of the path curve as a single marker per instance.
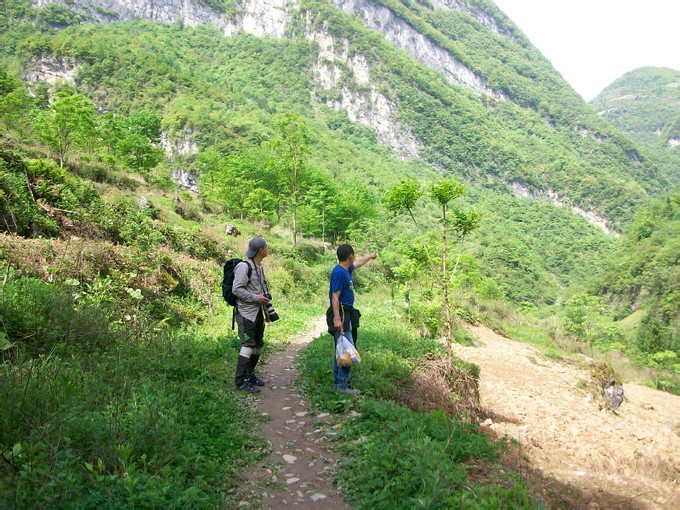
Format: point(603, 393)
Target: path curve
point(629, 460)
point(299, 471)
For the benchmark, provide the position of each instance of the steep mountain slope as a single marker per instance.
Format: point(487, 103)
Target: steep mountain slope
point(643, 275)
point(645, 104)
point(454, 82)
point(389, 90)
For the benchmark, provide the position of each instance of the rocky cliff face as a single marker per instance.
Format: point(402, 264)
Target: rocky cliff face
point(358, 96)
point(257, 17)
point(484, 18)
point(262, 17)
point(550, 196)
point(53, 70)
point(167, 11)
point(419, 47)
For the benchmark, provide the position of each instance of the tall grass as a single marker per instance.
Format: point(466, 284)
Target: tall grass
point(396, 457)
point(89, 418)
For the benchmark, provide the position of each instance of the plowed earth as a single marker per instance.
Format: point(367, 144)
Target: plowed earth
point(579, 454)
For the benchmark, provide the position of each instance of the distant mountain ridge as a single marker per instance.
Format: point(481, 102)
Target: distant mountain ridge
point(645, 104)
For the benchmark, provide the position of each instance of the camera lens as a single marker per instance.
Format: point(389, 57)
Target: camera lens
point(271, 314)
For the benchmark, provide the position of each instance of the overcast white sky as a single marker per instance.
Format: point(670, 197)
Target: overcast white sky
point(594, 42)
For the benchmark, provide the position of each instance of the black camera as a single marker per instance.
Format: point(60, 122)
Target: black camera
point(270, 314)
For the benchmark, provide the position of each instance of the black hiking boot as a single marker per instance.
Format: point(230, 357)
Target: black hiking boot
point(256, 381)
point(248, 387)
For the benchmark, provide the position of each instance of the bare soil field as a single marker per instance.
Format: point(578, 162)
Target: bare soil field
point(580, 455)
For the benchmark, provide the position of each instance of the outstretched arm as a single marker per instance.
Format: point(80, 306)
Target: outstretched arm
point(360, 262)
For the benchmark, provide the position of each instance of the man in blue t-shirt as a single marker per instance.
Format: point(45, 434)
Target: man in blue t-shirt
point(342, 317)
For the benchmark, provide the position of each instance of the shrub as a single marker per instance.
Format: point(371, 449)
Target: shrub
point(188, 211)
point(43, 317)
point(398, 458)
point(149, 426)
point(128, 223)
point(195, 244)
point(427, 317)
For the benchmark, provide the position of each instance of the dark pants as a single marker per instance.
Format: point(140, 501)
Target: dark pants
point(350, 323)
point(341, 377)
point(251, 334)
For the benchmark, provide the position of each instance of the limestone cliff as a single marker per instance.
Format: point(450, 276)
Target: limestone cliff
point(419, 47)
point(359, 96)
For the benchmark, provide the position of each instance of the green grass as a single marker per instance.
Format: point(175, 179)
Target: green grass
point(395, 457)
point(155, 424)
point(389, 354)
point(133, 415)
point(537, 337)
point(531, 335)
point(400, 459)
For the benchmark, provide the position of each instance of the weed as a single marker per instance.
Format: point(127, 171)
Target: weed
point(395, 457)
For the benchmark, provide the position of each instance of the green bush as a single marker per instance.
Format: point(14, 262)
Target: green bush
point(19, 211)
point(131, 224)
point(188, 211)
point(196, 244)
point(41, 317)
point(58, 15)
point(401, 459)
point(428, 317)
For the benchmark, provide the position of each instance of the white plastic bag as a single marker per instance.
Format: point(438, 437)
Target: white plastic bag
point(345, 353)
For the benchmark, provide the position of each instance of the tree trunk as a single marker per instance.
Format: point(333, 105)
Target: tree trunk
point(445, 289)
point(294, 224)
point(323, 230)
point(295, 197)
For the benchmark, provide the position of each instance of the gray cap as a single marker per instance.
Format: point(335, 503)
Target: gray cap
point(255, 245)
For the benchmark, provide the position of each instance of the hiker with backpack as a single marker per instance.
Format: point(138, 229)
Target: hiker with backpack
point(252, 299)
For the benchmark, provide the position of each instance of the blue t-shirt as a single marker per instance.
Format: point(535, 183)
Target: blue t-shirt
point(341, 280)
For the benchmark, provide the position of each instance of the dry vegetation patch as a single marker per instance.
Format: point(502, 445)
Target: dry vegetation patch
point(440, 383)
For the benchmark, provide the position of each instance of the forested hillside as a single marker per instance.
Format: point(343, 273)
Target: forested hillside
point(644, 274)
point(434, 133)
point(645, 104)
point(303, 117)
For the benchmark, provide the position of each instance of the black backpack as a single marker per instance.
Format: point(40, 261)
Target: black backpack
point(228, 280)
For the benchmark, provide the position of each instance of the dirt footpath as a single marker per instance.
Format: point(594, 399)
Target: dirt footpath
point(629, 460)
point(299, 471)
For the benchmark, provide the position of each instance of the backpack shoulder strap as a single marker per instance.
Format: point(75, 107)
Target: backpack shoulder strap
point(250, 267)
point(247, 263)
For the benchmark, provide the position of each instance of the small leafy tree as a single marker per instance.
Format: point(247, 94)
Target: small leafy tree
point(404, 196)
point(15, 103)
point(243, 182)
point(317, 197)
point(67, 123)
point(139, 140)
point(292, 147)
point(583, 313)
